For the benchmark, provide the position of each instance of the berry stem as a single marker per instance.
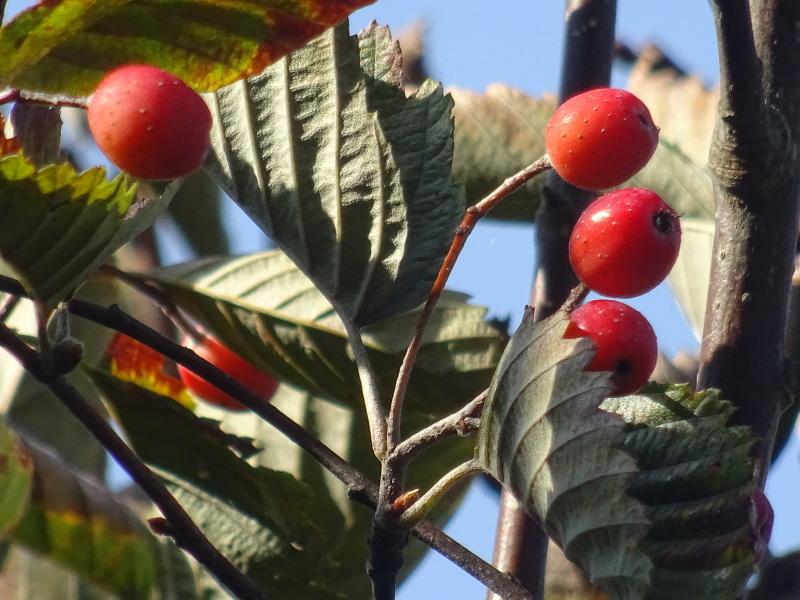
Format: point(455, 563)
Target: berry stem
point(471, 218)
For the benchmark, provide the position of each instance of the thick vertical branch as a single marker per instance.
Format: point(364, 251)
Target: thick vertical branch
point(521, 545)
point(756, 185)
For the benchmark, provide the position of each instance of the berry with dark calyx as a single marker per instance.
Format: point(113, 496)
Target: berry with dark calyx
point(234, 365)
point(599, 139)
point(625, 341)
point(149, 123)
point(625, 243)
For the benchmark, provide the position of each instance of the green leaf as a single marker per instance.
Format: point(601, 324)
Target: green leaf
point(57, 226)
point(688, 279)
point(66, 46)
point(683, 184)
point(269, 523)
point(197, 211)
point(696, 482)
point(543, 436)
point(75, 521)
point(362, 202)
point(266, 310)
point(27, 575)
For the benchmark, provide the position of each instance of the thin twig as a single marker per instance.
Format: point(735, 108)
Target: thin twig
point(157, 296)
point(424, 503)
point(460, 423)
point(471, 218)
point(186, 534)
point(8, 306)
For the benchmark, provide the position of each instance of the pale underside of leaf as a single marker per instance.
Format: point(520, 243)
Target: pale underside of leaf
point(266, 309)
point(689, 278)
point(543, 436)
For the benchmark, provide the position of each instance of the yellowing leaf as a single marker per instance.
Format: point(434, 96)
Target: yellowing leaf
point(66, 46)
point(133, 361)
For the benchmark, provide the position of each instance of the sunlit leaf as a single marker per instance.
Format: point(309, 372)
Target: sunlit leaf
point(688, 279)
point(683, 107)
point(266, 310)
point(684, 185)
point(65, 46)
point(347, 176)
point(57, 226)
point(75, 521)
point(543, 436)
point(133, 361)
point(697, 482)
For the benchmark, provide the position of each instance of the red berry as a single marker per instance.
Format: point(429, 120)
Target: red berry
point(625, 341)
point(234, 365)
point(149, 123)
point(625, 243)
point(599, 139)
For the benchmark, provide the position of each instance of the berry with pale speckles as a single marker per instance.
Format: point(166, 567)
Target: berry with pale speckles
point(625, 243)
point(149, 123)
point(599, 139)
point(625, 342)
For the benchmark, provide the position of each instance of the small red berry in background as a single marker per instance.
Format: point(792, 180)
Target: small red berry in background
point(625, 243)
point(149, 123)
point(234, 365)
point(599, 139)
point(625, 340)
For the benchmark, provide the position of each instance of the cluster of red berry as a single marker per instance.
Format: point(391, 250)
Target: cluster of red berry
point(625, 242)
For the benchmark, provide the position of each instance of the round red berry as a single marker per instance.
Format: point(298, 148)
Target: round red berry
point(234, 365)
point(626, 343)
point(625, 243)
point(599, 139)
point(149, 123)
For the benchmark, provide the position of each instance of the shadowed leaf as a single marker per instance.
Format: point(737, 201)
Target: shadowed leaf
point(697, 482)
point(543, 436)
point(346, 175)
point(75, 521)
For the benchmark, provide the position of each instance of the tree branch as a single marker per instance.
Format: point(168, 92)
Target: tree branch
point(757, 191)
